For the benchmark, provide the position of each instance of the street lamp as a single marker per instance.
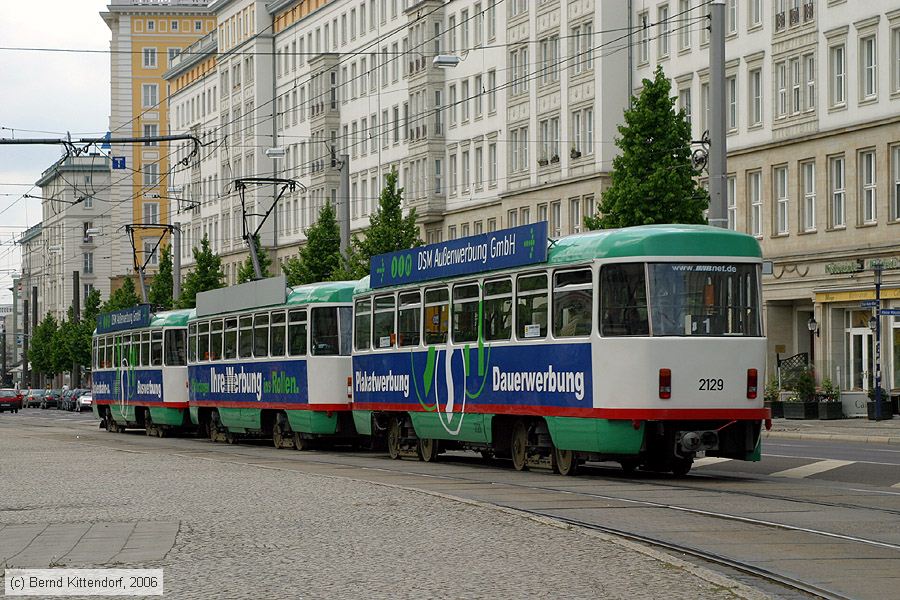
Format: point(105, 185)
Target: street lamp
point(873, 323)
point(446, 61)
point(813, 326)
point(275, 153)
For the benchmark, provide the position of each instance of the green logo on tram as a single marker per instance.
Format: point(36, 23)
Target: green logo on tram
point(401, 266)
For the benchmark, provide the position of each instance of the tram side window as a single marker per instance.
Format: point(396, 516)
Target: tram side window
point(192, 342)
point(215, 340)
point(465, 312)
point(363, 324)
point(325, 339)
point(245, 337)
point(229, 339)
point(94, 353)
point(117, 351)
point(203, 341)
point(297, 333)
point(497, 309)
point(409, 319)
point(145, 348)
point(572, 303)
point(261, 335)
point(175, 352)
point(345, 316)
point(532, 306)
point(437, 313)
point(277, 334)
point(156, 348)
point(383, 333)
point(623, 300)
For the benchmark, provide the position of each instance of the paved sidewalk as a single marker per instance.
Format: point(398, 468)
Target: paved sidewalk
point(849, 430)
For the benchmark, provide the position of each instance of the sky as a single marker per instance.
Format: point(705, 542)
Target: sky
point(45, 94)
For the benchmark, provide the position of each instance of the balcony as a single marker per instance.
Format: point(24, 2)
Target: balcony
point(779, 21)
point(795, 16)
point(809, 11)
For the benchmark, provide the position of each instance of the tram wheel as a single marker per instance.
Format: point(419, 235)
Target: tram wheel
point(149, 429)
point(428, 449)
point(213, 427)
point(393, 438)
point(301, 443)
point(280, 436)
point(564, 462)
point(682, 466)
point(518, 446)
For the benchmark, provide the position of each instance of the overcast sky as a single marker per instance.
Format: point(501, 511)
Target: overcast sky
point(49, 93)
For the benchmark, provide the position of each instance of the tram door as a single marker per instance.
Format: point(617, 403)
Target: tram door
point(861, 351)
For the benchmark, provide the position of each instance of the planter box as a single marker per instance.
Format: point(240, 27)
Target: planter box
point(776, 408)
point(830, 410)
point(886, 413)
point(801, 410)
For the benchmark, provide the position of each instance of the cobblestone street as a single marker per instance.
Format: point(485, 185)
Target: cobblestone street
point(243, 531)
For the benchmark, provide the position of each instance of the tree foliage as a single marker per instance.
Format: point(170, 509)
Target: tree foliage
point(653, 180)
point(320, 258)
point(388, 231)
point(40, 350)
point(160, 294)
point(246, 272)
point(124, 297)
point(206, 275)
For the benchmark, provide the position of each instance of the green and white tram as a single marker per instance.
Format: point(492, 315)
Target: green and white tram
point(641, 345)
point(139, 370)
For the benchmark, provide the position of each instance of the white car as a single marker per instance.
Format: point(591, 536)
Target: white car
point(84, 402)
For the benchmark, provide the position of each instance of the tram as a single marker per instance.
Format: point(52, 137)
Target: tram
point(268, 361)
point(641, 345)
point(139, 370)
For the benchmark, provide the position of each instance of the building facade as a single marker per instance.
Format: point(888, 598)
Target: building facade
point(813, 118)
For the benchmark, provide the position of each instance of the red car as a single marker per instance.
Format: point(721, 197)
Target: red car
point(10, 400)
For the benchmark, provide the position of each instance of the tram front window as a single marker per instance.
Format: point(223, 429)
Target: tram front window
point(175, 353)
point(704, 299)
point(325, 340)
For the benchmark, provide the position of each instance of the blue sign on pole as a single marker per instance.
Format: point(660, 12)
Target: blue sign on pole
point(118, 162)
point(869, 304)
point(890, 312)
point(120, 320)
point(523, 245)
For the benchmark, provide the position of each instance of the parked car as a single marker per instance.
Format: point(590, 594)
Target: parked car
point(51, 399)
point(85, 401)
point(73, 399)
point(10, 400)
point(33, 399)
point(69, 399)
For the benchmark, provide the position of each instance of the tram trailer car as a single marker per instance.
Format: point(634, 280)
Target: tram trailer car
point(267, 361)
point(641, 345)
point(140, 369)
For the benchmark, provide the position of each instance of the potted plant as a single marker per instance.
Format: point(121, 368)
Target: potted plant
point(772, 400)
point(554, 158)
point(886, 412)
point(829, 401)
point(543, 162)
point(802, 403)
point(574, 153)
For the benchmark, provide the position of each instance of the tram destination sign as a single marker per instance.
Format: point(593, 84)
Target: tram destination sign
point(120, 320)
point(503, 249)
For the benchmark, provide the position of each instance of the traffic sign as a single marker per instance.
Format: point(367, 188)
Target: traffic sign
point(889, 312)
point(869, 304)
point(118, 162)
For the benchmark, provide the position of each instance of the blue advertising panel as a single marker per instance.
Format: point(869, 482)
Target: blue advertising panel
point(447, 379)
point(121, 320)
point(259, 383)
point(502, 249)
point(142, 386)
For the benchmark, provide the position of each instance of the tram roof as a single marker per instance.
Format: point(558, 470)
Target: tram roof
point(644, 240)
point(332, 291)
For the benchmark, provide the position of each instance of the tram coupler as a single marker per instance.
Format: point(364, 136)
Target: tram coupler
point(688, 443)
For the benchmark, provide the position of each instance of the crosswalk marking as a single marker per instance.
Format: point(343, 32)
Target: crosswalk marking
point(709, 460)
point(813, 468)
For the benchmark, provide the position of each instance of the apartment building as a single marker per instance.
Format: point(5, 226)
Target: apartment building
point(813, 118)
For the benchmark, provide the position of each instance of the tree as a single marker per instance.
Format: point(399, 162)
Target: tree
point(206, 275)
point(246, 272)
point(388, 231)
point(91, 309)
point(124, 297)
point(653, 180)
point(160, 294)
point(320, 258)
point(40, 350)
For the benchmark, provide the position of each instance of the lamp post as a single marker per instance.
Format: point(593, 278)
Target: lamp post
point(813, 327)
point(875, 325)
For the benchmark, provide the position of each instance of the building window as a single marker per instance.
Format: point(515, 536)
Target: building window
point(479, 167)
point(150, 252)
point(512, 218)
point(550, 139)
point(754, 199)
point(837, 67)
point(88, 262)
point(491, 19)
point(684, 102)
point(781, 200)
point(838, 191)
point(755, 97)
point(479, 97)
point(895, 185)
point(550, 59)
point(582, 51)
point(704, 106)
point(555, 218)
point(643, 38)
point(867, 185)
point(809, 66)
point(796, 95)
point(151, 213)
point(731, 90)
point(451, 187)
point(895, 62)
point(151, 174)
point(151, 131)
point(731, 17)
point(781, 86)
point(808, 171)
point(684, 35)
point(149, 58)
point(755, 13)
point(492, 164)
point(868, 67)
point(466, 165)
point(492, 91)
point(149, 95)
point(574, 215)
point(731, 196)
point(662, 43)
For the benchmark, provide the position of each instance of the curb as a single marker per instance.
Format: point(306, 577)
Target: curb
point(840, 437)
